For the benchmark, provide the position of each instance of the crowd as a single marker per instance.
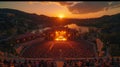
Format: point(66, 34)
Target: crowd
point(106, 62)
point(51, 50)
point(100, 62)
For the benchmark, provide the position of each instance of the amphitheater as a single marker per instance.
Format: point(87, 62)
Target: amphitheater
point(68, 49)
point(60, 49)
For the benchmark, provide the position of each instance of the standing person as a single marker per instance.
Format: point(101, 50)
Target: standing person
point(87, 63)
point(40, 64)
point(76, 65)
point(37, 63)
point(45, 64)
point(15, 63)
point(52, 64)
point(55, 65)
point(11, 64)
point(64, 64)
point(26, 64)
point(33, 64)
point(5, 63)
point(59, 63)
point(79, 63)
point(30, 63)
point(1, 63)
point(97, 64)
point(19, 64)
point(118, 62)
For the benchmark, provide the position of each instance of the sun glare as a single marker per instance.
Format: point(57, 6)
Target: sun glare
point(61, 16)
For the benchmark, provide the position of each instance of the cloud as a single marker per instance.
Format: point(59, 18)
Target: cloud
point(89, 7)
point(69, 3)
point(42, 2)
point(31, 2)
point(114, 5)
point(66, 3)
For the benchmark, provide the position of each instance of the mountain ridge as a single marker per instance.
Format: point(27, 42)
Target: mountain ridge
point(15, 10)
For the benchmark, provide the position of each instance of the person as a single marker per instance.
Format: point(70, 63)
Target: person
point(117, 62)
point(10, 64)
point(64, 65)
point(52, 64)
point(15, 63)
point(97, 64)
point(20, 64)
point(5, 63)
point(87, 63)
point(33, 64)
point(40, 64)
point(79, 63)
point(1, 63)
point(76, 65)
point(59, 63)
point(45, 64)
point(30, 63)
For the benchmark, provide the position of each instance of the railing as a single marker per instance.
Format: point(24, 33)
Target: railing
point(52, 59)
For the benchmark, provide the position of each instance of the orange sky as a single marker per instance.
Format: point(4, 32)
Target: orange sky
point(54, 9)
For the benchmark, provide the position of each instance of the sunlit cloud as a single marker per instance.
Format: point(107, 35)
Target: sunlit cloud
point(113, 5)
point(31, 2)
point(69, 3)
point(49, 3)
point(89, 7)
point(71, 9)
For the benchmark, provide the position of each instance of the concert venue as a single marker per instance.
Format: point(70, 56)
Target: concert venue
point(59, 34)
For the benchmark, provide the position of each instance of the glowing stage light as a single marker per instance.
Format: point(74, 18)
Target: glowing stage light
point(60, 36)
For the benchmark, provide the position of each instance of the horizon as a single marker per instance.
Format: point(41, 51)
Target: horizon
point(58, 16)
point(70, 10)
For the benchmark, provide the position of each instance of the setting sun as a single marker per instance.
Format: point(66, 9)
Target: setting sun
point(61, 16)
